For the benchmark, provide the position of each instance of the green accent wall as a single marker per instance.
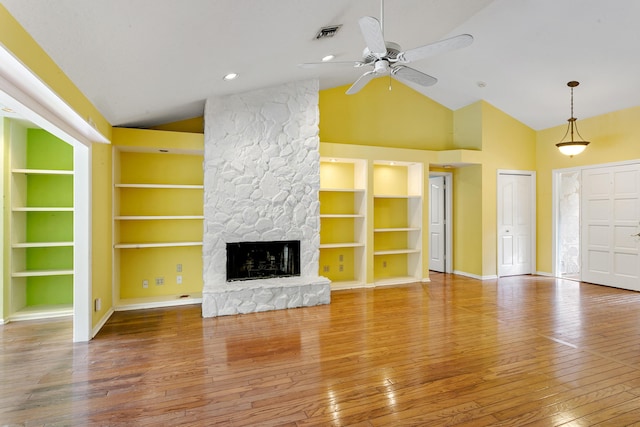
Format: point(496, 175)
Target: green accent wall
point(45, 151)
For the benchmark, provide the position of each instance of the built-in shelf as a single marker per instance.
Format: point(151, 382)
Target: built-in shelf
point(154, 245)
point(41, 273)
point(343, 209)
point(162, 186)
point(397, 219)
point(42, 171)
point(155, 217)
point(42, 245)
point(40, 209)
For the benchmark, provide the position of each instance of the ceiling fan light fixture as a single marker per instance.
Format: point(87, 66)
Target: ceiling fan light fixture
point(572, 147)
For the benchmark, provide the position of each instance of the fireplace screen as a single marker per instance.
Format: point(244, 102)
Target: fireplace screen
point(262, 260)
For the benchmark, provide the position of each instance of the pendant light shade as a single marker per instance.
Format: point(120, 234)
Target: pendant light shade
point(572, 147)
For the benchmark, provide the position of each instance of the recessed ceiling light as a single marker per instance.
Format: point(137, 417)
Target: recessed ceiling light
point(231, 76)
point(7, 110)
point(328, 58)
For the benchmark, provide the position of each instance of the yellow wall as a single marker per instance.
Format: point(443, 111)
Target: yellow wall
point(193, 125)
point(375, 116)
point(614, 137)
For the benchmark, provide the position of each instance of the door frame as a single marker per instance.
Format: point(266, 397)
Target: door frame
point(555, 208)
point(533, 240)
point(448, 214)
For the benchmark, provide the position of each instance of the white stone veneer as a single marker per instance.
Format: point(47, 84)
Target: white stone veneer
point(261, 183)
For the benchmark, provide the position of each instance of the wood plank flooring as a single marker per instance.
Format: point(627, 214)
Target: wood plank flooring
point(517, 351)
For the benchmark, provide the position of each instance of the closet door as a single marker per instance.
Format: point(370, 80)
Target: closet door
point(611, 215)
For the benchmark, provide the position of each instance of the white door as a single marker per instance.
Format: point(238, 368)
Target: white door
point(437, 233)
point(610, 215)
point(516, 222)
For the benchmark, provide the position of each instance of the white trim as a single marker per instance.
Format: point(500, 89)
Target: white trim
point(82, 283)
point(33, 100)
point(533, 214)
point(544, 273)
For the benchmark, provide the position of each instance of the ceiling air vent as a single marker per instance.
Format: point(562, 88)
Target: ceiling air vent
point(326, 32)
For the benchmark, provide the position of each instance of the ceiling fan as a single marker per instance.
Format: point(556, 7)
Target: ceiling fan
point(388, 59)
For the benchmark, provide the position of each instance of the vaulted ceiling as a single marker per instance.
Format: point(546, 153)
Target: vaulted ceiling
point(147, 62)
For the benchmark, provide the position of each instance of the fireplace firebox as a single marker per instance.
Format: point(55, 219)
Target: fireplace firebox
point(262, 260)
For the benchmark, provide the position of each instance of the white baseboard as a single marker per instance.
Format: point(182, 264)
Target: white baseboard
point(102, 322)
point(475, 276)
point(544, 273)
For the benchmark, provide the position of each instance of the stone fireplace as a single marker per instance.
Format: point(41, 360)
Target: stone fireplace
point(261, 183)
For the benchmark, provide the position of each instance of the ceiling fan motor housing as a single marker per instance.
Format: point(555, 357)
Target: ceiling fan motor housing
point(393, 49)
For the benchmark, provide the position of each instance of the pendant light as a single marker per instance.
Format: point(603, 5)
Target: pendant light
point(571, 148)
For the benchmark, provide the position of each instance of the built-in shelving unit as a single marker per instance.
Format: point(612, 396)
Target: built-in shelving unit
point(343, 206)
point(158, 218)
point(397, 219)
point(41, 224)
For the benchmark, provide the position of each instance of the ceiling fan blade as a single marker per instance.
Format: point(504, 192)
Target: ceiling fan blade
point(442, 46)
point(410, 75)
point(361, 82)
point(355, 64)
point(372, 34)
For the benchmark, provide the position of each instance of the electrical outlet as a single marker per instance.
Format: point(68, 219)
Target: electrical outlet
point(325, 269)
point(179, 279)
point(159, 281)
point(384, 264)
point(341, 267)
point(145, 284)
point(179, 268)
point(340, 257)
point(98, 304)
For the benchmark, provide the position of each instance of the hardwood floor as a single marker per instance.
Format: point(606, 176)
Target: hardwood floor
point(519, 351)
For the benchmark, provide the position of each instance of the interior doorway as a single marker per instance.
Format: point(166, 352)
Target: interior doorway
point(440, 215)
point(567, 243)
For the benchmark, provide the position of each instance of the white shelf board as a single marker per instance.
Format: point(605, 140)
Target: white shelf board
point(397, 252)
point(341, 216)
point(41, 312)
point(154, 245)
point(159, 301)
point(343, 190)
point(41, 273)
point(392, 196)
point(391, 230)
point(155, 217)
point(42, 171)
point(341, 245)
point(162, 186)
point(42, 245)
point(40, 209)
